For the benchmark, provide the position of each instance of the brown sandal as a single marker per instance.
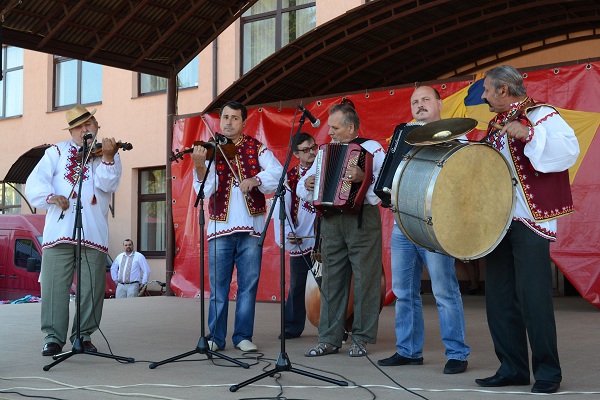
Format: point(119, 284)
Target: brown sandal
point(322, 349)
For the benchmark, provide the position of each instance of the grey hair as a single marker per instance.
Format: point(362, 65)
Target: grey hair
point(350, 116)
point(509, 76)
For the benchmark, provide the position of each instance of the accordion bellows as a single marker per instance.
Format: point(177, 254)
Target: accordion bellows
point(332, 193)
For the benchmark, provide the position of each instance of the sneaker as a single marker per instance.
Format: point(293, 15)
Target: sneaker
point(455, 366)
point(397, 359)
point(246, 345)
point(212, 346)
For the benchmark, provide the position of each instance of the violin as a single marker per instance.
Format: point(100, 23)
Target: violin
point(228, 150)
point(96, 150)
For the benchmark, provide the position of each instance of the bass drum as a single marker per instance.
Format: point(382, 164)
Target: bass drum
point(454, 198)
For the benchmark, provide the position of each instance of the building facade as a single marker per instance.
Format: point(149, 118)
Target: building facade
point(37, 89)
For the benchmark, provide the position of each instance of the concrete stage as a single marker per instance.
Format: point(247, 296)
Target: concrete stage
point(151, 329)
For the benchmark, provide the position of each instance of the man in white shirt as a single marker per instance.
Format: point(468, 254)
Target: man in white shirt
point(129, 270)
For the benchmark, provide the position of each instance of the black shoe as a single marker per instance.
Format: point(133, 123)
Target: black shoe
point(499, 380)
point(397, 359)
point(455, 366)
point(51, 349)
point(288, 336)
point(88, 346)
point(545, 387)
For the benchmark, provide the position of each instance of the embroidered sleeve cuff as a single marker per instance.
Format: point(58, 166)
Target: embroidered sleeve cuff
point(529, 137)
point(48, 197)
point(258, 179)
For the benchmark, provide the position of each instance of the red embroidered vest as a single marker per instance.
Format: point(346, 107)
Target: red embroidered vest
point(247, 165)
point(548, 195)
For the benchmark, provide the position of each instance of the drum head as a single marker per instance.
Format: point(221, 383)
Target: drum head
point(473, 202)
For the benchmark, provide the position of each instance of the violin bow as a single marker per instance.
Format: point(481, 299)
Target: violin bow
point(218, 146)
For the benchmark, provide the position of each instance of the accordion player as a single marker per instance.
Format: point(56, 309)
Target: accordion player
point(332, 193)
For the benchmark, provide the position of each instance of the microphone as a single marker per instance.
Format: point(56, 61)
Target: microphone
point(314, 122)
point(88, 136)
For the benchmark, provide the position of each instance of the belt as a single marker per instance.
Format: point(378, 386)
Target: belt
point(129, 283)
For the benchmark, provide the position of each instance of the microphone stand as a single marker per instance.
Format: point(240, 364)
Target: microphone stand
point(78, 227)
point(202, 346)
point(283, 361)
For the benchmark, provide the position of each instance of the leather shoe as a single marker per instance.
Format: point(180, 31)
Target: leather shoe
point(51, 349)
point(288, 336)
point(89, 346)
point(454, 366)
point(499, 381)
point(397, 359)
point(545, 387)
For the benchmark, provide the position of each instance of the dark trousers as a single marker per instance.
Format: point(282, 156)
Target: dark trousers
point(518, 290)
point(295, 308)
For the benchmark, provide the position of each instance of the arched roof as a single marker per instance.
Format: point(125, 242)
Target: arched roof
point(395, 42)
point(157, 37)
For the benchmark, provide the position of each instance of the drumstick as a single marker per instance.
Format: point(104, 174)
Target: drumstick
point(493, 124)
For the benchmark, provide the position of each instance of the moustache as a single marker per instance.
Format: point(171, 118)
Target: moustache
point(487, 102)
point(421, 110)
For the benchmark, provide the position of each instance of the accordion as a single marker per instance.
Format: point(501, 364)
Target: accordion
point(396, 151)
point(331, 192)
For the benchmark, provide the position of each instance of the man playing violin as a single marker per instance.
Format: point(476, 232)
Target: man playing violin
point(53, 185)
point(236, 208)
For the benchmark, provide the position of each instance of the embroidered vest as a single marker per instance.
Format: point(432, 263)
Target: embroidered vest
point(548, 195)
point(246, 165)
point(293, 177)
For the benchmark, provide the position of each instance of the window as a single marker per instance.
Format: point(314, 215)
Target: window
point(186, 78)
point(76, 82)
point(11, 198)
point(11, 86)
point(152, 212)
point(271, 24)
point(24, 249)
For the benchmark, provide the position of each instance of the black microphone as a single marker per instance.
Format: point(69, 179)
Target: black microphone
point(88, 136)
point(314, 122)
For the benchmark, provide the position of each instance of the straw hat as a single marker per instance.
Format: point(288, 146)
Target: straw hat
point(77, 116)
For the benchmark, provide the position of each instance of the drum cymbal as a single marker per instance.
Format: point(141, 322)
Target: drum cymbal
point(440, 131)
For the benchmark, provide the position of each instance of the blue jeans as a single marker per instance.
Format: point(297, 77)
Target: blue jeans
point(407, 267)
point(242, 250)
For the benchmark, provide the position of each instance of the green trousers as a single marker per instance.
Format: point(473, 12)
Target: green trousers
point(58, 268)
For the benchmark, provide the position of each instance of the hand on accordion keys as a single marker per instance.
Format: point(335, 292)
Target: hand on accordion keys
point(354, 174)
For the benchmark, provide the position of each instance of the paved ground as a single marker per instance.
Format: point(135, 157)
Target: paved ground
point(151, 329)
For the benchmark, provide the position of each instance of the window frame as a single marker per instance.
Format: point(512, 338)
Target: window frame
point(143, 94)
point(278, 15)
point(56, 60)
point(4, 81)
point(148, 198)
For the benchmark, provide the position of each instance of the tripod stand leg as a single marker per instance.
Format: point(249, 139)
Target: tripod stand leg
point(78, 349)
point(284, 364)
point(202, 348)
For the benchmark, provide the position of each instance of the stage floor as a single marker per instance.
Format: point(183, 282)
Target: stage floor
point(151, 329)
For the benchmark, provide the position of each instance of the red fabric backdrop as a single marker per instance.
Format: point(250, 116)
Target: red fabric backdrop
point(576, 252)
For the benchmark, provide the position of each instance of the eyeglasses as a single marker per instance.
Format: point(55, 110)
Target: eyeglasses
point(307, 150)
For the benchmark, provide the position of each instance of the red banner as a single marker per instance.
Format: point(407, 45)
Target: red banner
point(574, 89)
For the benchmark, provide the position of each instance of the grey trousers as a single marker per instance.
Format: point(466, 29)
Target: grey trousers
point(58, 268)
point(347, 249)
